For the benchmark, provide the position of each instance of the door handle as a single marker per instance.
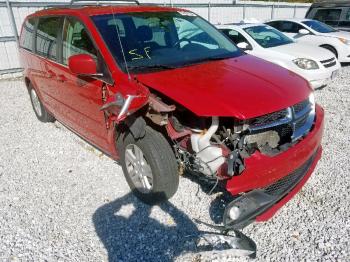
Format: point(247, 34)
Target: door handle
point(61, 78)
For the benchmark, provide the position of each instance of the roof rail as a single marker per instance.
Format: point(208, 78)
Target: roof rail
point(98, 2)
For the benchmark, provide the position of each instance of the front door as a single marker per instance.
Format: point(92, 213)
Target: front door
point(82, 95)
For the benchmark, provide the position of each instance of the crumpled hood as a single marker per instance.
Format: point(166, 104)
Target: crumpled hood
point(242, 87)
point(297, 50)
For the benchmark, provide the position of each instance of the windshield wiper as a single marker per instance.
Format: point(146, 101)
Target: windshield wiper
point(213, 58)
point(156, 66)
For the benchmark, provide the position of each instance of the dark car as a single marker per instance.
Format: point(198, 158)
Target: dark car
point(334, 13)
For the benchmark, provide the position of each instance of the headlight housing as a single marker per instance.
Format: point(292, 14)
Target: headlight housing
point(306, 64)
point(344, 40)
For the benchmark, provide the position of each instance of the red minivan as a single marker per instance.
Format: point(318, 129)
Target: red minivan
point(163, 92)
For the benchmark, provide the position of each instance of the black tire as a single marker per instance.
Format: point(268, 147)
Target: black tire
point(332, 49)
point(161, 160)
point(38, 108)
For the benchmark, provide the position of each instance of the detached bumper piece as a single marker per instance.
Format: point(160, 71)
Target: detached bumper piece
point(237, 245)
point(244, 209)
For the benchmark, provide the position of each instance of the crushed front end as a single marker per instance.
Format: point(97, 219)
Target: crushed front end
point(261, 162)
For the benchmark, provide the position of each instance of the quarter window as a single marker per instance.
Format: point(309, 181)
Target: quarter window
point(26, 40)
point(46, 37)
point(76, 40)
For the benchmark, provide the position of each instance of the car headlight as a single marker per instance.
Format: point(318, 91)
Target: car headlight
point(306, 64)
point(344, 40)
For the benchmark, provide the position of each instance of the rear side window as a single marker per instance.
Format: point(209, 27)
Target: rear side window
point(329, 16)
point(76, 40)
point(347, 16)
point(46, 37)
point(289, 27)
point(275, 24)
point(26, 40)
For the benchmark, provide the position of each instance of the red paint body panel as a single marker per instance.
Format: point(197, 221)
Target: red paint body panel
point(242, 87)
point(272, 211)
point(262, 170)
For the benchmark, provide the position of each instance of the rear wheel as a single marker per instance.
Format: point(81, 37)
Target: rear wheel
point(149, 166)
point(38, 107)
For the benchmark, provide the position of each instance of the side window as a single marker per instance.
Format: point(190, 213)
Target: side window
point(347, 16)
point(76, 40)
point(46, 37)
point(26, 40)
point(290, 27)
point(328, 16)
point(235, 36)
point(275, 24)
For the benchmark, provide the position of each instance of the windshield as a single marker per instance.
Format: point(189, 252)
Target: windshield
point(162, 40)
point(319, 26)
point(267, 36)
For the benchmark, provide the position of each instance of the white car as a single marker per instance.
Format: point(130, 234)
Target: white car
point(315, 64)
point(316, 33)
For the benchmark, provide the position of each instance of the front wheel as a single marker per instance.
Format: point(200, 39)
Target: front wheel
point(149, 166)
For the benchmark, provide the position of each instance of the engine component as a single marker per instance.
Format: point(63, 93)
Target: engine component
point(270, 138)
point(211, 156)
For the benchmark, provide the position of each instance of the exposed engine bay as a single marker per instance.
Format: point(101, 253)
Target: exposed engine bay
point(217, 147)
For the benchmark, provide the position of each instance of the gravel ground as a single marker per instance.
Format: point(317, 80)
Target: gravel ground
point(61, 200)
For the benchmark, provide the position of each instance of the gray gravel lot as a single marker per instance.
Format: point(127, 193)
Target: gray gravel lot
point(62, 200)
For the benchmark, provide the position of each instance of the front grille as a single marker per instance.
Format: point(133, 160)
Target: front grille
point(285, 132)
point(301, 106)
point(287, 183)
point(301, 122)
point(269, 118)
point(329, 62)
point(291, 123)
point(330, 65)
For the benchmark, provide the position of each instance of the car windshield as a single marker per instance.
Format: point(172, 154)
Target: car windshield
point(162, 40)
point(267, 36)
point(319, 26)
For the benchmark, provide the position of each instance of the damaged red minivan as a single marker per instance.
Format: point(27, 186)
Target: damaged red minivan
point(164, 92)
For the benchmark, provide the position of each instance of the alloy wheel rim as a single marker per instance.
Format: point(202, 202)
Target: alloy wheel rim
point(139, 170)
point(36, 102)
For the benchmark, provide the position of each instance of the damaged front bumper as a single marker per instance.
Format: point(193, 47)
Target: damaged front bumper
point(263, 170)
point(261, 204)
point(269, 182)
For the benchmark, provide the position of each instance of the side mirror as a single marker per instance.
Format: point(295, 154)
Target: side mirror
point(83, 65)
point(304, 32)
point(244, 46)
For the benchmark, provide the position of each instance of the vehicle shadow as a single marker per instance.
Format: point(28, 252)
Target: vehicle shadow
point(130, 233)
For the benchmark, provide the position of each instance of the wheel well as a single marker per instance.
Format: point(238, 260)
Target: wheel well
point(330, 48)
point(27, 82)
